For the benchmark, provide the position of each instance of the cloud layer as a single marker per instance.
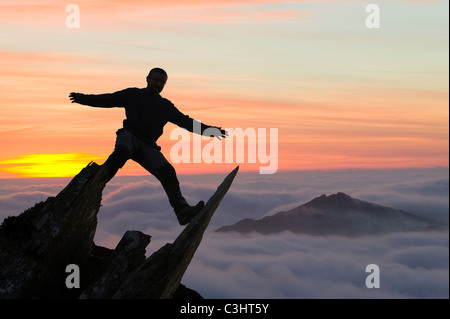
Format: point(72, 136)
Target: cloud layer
point(412, 265)
point(290, 266)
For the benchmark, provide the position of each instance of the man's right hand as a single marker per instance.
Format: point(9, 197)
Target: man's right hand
point(76, 97)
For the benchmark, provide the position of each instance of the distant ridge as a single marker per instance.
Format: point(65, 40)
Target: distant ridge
point(337, 214)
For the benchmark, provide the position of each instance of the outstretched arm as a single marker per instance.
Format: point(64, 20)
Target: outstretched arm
point(194, 126)
point(117, 99)
point(197, 127)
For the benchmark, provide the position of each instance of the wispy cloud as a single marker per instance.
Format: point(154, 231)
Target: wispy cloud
point(98, 13)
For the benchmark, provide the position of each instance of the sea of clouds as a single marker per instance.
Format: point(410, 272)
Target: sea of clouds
point(286, 265)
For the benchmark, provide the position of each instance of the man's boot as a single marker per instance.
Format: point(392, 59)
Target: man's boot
point(187, 213)
point(168, 178)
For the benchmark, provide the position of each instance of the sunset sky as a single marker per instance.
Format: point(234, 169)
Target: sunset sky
point(341, 95)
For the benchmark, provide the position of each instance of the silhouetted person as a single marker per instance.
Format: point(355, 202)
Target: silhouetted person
point(146, 114)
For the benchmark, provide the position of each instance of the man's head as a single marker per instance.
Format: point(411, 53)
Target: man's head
point(156, 80)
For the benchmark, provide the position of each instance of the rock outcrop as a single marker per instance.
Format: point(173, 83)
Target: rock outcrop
point(37, 246)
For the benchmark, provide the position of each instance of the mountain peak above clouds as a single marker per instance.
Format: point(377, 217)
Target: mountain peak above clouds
point(339, 199)
point(337, 214)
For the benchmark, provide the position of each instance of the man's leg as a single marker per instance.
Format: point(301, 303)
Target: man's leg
point(167, 176)
point(155, 162)
point(123, 151)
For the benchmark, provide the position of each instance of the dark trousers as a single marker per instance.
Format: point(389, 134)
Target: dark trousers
point(128, 147)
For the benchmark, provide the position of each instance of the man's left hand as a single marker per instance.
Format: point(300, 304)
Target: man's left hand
point(220, 133)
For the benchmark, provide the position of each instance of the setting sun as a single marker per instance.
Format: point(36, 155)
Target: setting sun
point(48, 165)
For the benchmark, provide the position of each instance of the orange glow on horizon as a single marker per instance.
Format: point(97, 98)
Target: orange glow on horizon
point(47, 165)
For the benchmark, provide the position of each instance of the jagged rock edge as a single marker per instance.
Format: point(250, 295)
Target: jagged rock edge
point(175, 256)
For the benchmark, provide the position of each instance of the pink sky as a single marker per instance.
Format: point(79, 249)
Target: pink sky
point(341, 95)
